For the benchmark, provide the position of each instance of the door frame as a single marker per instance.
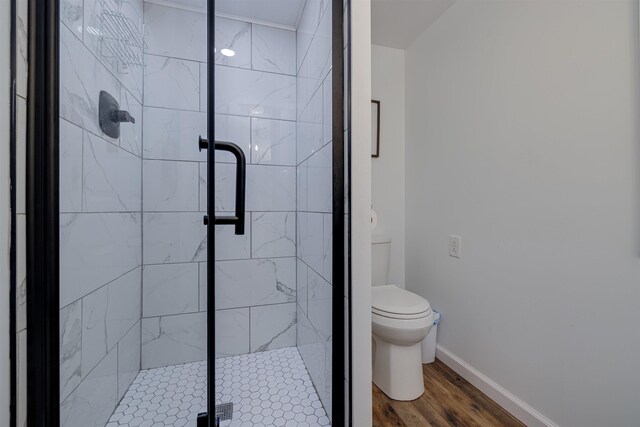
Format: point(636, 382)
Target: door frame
point(42, 215)
point(42, 218)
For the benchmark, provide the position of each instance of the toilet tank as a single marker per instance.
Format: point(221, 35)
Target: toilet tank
point(380, 255)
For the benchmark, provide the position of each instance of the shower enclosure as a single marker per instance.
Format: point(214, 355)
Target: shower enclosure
point(201, 201)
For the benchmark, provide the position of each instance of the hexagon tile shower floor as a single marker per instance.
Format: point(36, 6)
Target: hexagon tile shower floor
point(270, 388)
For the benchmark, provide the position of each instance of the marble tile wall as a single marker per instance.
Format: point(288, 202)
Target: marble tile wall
point(100, 219)
point(276, 109)
point(256, 109)
point(20, 266)
point(174, 239)
point(314, 195)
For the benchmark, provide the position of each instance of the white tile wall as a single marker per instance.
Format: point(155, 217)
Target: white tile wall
point(204, 84)
point(202, 286)
point(107, 314)
point(312, 350)
point(22, 47)
point(255, 93)
point(169, 340)
point(250, 282)
point(22, 378)
point(309, 20)
point(236, 36)
point(315, 182)
point(224, 187)
point(128, 359)
point(173, 329)
point(327, 259)
point(232, 332)
point(100, 222)
point(271, 188)
point(259, 99)
point(273, 142)
point(311, 239)
point(319, 300)
point(228, 245)
point(129, 76)
point(316, 63)
point(236, 129)
point(170, 186)
point(310, 128)
point(272, 50)
point(171, 83)
point(250, 275)
point(302, 282)
point(273, 234)
point(21, 272)
point(70, 167)
point(70, 348)
point(83, 77)
point(131, 134)
point(273, 326)
point(174, 237)
point(314, 195)
point(71, 15)
point(92, 402)
point(21, 153)
point(173, 134)
point(188, 42)
point(85, 238)
point(327, 103)
point(110, 178)
point(170, 289)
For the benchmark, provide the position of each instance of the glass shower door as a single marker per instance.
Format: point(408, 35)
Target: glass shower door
point(275, 294)
point(201, 186)
point(133, 245)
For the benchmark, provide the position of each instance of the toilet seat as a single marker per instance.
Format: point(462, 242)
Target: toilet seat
point(396, 303)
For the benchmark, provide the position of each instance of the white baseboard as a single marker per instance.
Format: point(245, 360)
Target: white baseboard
point(501, 396)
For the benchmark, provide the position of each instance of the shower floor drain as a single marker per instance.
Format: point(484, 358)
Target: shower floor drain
point(224, 411)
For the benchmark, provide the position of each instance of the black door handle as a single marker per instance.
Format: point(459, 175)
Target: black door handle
point(241, 183)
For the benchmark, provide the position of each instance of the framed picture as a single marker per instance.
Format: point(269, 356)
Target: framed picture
point(375, 128)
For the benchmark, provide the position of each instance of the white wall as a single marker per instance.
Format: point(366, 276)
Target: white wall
point(522, 137)
point(387, 171)
point(361, 211)
point(5, 26)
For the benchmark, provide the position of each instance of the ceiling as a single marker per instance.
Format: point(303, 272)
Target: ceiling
point(397, 23)
point(282, 13)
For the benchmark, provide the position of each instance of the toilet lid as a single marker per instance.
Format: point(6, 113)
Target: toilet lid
point(394, 300)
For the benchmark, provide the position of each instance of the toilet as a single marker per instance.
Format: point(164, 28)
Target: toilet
point(400, 321)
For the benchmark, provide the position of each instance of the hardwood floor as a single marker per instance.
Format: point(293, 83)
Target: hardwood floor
point(448, 400)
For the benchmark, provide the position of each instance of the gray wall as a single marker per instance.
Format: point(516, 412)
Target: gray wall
point(522, 137)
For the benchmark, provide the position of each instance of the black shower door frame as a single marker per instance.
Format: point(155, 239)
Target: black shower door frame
point(42, 215)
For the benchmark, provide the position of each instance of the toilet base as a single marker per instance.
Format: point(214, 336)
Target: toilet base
point(397, 370)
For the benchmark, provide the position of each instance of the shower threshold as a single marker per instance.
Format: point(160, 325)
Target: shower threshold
point(270, 388)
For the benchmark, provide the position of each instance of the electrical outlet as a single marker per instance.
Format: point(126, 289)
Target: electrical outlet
point(455, 248)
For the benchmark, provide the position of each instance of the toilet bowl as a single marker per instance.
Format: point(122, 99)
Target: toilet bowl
point(400, 321)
